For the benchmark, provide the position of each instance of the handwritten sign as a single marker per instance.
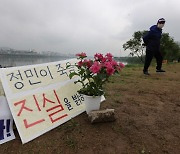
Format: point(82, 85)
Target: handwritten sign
point(41, 97)
point(20, 79)
point(6, 122)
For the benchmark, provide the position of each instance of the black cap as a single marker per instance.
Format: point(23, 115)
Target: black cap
point(161, 21)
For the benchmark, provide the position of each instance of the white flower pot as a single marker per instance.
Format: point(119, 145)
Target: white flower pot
point(92, 103)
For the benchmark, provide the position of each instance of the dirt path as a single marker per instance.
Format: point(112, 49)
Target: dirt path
point(148, 120)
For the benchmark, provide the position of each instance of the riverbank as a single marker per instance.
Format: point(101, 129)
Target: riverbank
point(147, 112)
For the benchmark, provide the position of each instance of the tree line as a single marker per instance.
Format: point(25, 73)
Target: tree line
point(169, 48)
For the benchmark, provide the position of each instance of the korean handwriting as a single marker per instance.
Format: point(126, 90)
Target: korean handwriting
point(53, 108)
point(63, 70)
point(32, 75)
point(78, 99)
point(4, 128)
point(68, 104)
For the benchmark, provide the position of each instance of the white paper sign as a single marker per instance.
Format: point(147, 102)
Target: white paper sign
point(6, 122)
point(41, 97)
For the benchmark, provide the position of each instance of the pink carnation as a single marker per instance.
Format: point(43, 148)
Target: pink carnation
point(118, 68)
point(121, 65)
point(103, 60)
point(114, 63)
point(109, 56)
point(80, 63)
point(89, 63)
point(95, 68)
point(110, 70)
point(81, 55)
point(98, 56)
point(85, 61)
point(107, 64)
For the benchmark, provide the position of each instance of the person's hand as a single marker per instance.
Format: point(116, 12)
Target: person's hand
point(143, 44)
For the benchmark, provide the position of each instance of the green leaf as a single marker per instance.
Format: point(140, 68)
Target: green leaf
point(69, 65)
point(72, 74)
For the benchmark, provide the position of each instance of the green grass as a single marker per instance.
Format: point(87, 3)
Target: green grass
point(116, 129)
point(70, 126)
point(133, 65)
point(70, 142)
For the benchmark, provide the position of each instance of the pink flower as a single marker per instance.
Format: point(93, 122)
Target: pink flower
point(118, 68)
point(95, 68)
point(89, 63)
point(80, 63)
point(110, 70)
point(121, 65)
point(109, 56)
point(85, 61)
point(103, 60)
point(114, 63)
point(107, 64)
point(98, 56)
point(81, 55)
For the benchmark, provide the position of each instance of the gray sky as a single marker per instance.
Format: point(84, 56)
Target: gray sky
point(73, 26)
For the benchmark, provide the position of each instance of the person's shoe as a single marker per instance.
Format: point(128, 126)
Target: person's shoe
point(160, 71)
point(146, 73)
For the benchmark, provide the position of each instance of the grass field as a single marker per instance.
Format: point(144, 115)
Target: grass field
point(147, 110)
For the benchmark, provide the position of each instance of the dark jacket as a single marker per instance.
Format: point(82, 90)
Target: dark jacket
point(152, 38)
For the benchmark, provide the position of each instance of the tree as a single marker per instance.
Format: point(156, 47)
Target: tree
point(170, 49)
point(135, 45)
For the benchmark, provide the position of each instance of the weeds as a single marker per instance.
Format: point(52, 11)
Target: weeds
point(70, 126)
point(70, 142)
point(117, 129)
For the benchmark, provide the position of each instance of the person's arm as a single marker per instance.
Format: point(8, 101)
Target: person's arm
point(147, 36)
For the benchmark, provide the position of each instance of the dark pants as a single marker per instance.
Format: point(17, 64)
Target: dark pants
point(149, 56)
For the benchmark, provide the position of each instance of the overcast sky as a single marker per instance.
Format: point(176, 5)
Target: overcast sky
point(73, 26)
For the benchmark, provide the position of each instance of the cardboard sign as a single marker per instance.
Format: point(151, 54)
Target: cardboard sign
point(6, 122)
point(41, 97)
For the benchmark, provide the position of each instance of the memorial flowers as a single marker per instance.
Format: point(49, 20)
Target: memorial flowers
point(94, 73)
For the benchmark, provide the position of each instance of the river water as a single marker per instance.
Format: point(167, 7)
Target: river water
point(11, 61)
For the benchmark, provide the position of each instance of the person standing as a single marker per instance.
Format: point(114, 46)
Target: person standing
point(152, 43)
